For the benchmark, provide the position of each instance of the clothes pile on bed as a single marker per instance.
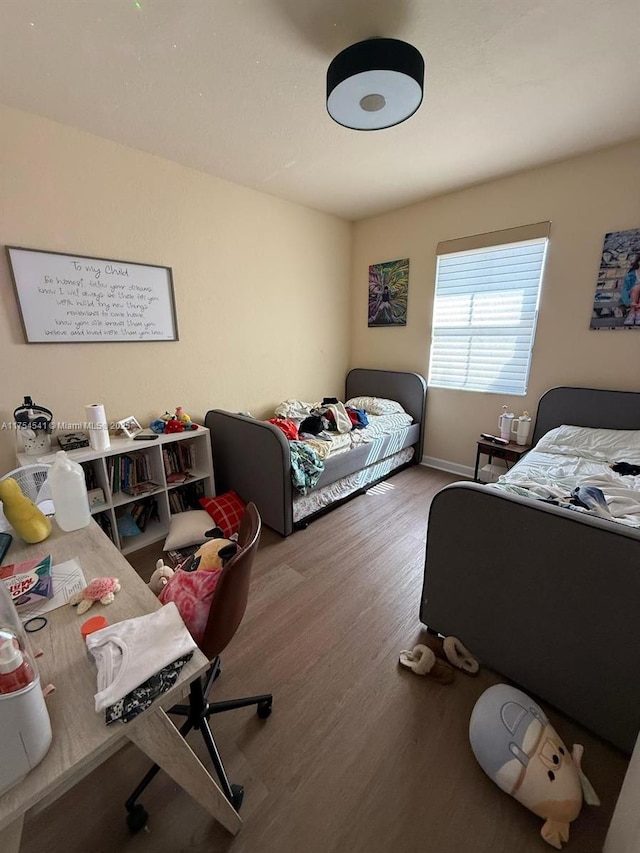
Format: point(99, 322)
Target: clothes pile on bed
point(596, 471)
point(319, 430)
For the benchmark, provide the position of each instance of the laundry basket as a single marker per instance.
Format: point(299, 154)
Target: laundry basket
point(32, 480)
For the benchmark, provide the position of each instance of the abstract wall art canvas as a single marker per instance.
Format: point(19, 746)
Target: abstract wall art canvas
point(616, 304)
point(388, 289)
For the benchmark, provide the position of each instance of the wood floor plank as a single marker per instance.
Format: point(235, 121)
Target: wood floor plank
point(359, 754)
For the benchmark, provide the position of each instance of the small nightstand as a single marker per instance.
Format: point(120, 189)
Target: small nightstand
point(509, 452)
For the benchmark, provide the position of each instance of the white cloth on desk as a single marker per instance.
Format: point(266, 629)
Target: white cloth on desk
point(130, 652)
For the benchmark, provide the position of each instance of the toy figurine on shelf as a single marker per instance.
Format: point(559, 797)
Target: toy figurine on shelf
point(168, 423)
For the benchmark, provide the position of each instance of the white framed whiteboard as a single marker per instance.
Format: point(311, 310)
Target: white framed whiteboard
point(76, 299)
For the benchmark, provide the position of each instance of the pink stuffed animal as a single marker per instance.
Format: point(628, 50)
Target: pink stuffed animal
point(100, 589)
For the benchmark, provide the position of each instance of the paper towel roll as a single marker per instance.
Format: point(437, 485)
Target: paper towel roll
point(98, 427)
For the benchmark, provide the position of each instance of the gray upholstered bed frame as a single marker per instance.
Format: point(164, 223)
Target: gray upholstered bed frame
point(547, 597)
point(252, 457)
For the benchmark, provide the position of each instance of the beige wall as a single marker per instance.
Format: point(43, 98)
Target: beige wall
point(584, 198)
point(261, 285)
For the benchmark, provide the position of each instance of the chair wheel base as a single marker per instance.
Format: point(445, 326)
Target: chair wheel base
point(237, 796)
point(137, 819)
point(264, 709)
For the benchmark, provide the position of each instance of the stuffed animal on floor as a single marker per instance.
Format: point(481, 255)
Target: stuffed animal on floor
point(193, 583)
point(521, 752)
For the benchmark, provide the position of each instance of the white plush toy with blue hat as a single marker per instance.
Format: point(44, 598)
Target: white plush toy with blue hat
point(521, 752)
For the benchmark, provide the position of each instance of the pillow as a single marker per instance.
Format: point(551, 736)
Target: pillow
point(375, 405)
point(599, 445)
point(188, 528)
point(226, 510)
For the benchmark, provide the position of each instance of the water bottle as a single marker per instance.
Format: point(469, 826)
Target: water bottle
point(15, 669)
point(69, 493)
point(505, 422)
point(521, 428)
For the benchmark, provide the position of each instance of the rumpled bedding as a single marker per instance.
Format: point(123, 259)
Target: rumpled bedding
point(308, 451)
point(306, 466)
point(569, 457)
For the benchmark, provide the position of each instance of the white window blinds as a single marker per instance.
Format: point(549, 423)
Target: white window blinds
point(484, 316)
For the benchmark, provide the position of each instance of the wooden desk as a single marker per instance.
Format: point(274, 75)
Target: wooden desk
point(81, 740)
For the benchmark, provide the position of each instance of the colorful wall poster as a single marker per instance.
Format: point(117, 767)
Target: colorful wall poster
point(388, 288)
point(616, 304)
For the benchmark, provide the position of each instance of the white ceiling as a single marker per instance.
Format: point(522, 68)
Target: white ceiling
point(236, 88)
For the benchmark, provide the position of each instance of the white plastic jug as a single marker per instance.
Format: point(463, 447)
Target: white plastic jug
point(505, 423)
point(69, 493)
point(521, 428)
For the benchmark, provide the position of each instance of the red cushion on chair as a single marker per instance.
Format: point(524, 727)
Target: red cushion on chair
point(226, 510)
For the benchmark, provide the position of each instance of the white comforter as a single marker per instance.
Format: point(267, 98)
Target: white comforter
point(569, 456)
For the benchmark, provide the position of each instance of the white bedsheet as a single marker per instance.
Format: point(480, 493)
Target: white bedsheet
point(379, 425)
point(568, 457)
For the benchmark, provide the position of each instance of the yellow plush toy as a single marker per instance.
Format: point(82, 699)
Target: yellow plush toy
point(211, 556)
point(30, 523)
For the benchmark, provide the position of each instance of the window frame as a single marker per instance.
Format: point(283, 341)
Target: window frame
point(536, 234)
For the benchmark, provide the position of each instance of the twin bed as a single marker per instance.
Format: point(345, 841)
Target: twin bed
point(254, 457)
point(549, 595)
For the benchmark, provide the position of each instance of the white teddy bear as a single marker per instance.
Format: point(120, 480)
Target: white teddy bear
point(160, 577)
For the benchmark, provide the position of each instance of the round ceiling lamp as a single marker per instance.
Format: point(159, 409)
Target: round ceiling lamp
point(375, 84)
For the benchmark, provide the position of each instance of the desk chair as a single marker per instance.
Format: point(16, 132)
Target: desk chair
point(227, 609)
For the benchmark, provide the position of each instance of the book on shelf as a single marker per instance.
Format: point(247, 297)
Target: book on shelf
point(144, 511)
point(178, 555)
point(143, 488)
point(127, 470)
point(178, 458)
point(104, 520)
point(179, 477)
point(90, 475)
point(186, 497)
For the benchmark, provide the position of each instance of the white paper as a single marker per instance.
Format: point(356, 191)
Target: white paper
point(66, 579)
point(98, 427)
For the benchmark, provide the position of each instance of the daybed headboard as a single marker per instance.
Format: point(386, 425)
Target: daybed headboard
point(588, 407)
point(409, 389)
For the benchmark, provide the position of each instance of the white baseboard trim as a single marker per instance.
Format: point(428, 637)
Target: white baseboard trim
point(445, 465)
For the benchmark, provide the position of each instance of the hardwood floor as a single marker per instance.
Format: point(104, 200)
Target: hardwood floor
point(359, 754)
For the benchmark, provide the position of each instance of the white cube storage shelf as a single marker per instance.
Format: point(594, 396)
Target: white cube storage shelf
point(102, 462)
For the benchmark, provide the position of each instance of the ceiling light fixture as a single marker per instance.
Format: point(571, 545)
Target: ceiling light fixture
point(375, 84)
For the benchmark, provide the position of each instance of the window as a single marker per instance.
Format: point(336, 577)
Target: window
point(485, 310)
